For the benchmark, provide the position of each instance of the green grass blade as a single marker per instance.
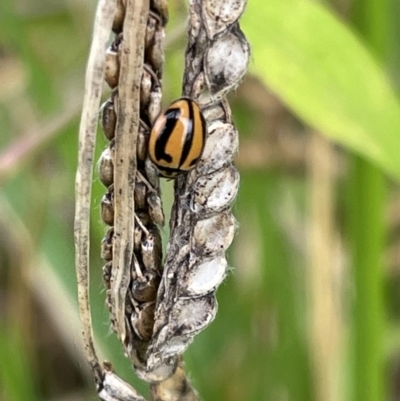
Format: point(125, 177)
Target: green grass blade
point(367, 205)
point(325, 74)
point(366, 212)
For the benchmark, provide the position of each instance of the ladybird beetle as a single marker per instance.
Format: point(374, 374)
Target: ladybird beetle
point(177, 138)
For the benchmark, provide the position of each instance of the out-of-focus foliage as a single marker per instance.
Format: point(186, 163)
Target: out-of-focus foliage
point(277, 307)
point(326, 75)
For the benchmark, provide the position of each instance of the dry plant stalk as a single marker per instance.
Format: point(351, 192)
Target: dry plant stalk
point(132, 205)
point(202, 224)
point(83, 184)
point(127, 127)
point(108, 385)
point(324, 273)
point(133, 253)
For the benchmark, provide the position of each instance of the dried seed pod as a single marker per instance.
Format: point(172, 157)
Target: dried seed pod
point(130, 305)
point(144, 218)
point(156, 53)
point(218, 16)
point(147, 250)
point(221, 145)
point(142, 142)
point(107, 274)
point(152, 174)
point(145, 88)
point(108, 119)
point(151, 249)
point(157, 246)
point(218, 111)
point(201, 93)
point(129, 338)
point(140, 195)
point(161, 6)
point(136, 312)
point(235, 51)
point(215, 192)
point(202, 225)
point(111, 73)
point(187, 317)
point(107, 209)
point(108, 297)
point(144, 289)
point(155, 208)
point(106, 167)
point(154, 108)
point(158, 371)
point(112, 385)
point(137, 269)
point(143, 320)
point(107, 245)
point(119, 17)
point(213, 235)
point(205, 277)
point(151, 26)
point(137, 238)
point(135, 348)
point(176, 387)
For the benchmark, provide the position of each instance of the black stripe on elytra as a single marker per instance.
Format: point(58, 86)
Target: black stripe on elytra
point(171, 118)
point(203, 133)
point(189, 134)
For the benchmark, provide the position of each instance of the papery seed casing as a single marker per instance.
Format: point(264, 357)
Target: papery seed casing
point(143, 321)
point(155, 208)
point(215, 192)
point(221, 146)
point(140, 195)
point(106, 167)
point(107, 209)
point(206, 276)
point(213, 235)
point(107, 245)
point(111, 73)
point(144, 289)
point(108, 119)
point(218, 15)
point(223, 77)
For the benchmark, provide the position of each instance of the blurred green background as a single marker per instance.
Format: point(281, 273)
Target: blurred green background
point(311, 308)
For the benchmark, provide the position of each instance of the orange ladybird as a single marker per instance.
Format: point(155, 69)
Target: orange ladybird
point(177, 138)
